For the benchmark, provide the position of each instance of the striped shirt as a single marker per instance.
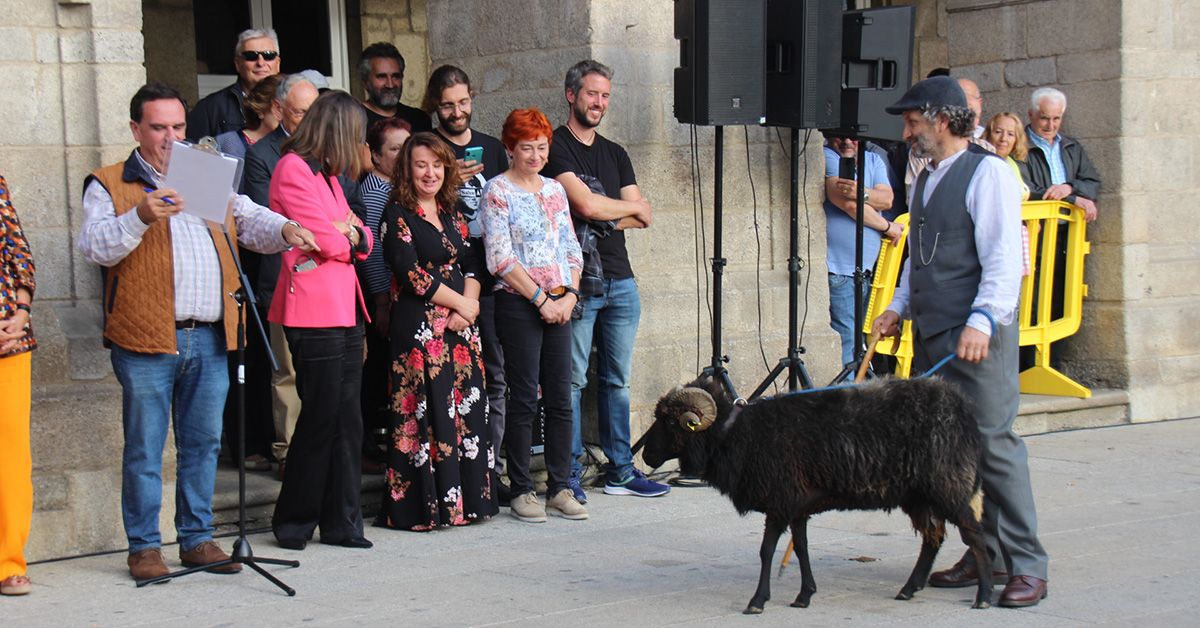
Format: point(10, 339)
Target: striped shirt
point(107, 238)
point(374, 192)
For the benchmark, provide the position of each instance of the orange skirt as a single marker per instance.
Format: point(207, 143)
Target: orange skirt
point(16, 465)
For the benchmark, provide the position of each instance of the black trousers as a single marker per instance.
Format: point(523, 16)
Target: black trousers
point(260, 424)
point(323, 478)
point(535, 353)
point(375, 401)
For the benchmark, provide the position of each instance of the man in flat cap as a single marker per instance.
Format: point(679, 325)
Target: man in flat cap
point(961, 289)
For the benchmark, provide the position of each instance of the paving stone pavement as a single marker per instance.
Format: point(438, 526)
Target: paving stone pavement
point(1119, 508)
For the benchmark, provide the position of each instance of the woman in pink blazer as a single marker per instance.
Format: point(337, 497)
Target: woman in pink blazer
point(319, 303)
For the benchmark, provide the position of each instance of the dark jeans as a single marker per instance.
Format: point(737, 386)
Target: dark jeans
point(375, 401)
point(535, 353)
point(323, 479)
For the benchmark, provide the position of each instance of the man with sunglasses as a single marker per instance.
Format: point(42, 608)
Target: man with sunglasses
point(255, 57)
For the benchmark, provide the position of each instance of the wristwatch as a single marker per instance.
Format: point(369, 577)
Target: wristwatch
point(573, 291)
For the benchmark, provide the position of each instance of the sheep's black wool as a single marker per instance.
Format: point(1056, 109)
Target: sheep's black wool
point(909, 444)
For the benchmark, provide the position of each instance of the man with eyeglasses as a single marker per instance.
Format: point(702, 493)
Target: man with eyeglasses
point(255, 57)
point(448, 97)
point(381, 69)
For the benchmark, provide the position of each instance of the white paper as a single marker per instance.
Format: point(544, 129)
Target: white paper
point(204, 180)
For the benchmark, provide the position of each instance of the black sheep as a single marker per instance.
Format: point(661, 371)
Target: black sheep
point(909, 444)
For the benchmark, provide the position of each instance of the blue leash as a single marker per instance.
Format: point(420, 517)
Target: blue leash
point(928, 373)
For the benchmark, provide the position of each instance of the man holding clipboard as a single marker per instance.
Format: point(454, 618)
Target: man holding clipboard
point(169, 320)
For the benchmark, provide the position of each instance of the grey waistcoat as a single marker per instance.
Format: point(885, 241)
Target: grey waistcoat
point(945, 264)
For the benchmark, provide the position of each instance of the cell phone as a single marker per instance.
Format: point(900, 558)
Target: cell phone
point(304, 265)
point(846, 168)
point(473, 153)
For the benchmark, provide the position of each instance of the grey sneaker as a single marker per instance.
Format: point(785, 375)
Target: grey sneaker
point(527, 508)
point(566, 506)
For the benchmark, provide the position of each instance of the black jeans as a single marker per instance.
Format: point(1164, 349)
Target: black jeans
point(323, 479)
point(535, 353)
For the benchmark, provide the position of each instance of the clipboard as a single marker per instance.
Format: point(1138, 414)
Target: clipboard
point(205, 178)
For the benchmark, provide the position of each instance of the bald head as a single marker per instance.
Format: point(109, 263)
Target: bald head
point(974, 100)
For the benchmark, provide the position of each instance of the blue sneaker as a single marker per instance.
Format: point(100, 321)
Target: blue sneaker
point(573, 483)
point(636, 484)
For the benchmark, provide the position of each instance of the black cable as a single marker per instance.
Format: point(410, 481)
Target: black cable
point(223, 535)
point(757, 251)
point(808, 236)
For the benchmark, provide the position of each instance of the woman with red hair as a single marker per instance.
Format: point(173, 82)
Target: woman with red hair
point(532, 250)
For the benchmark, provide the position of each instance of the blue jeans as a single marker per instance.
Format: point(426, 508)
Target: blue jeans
point(189, 387)
point(611, 320)
point(841, 310)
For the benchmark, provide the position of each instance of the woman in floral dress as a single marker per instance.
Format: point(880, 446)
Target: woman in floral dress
point(440, 453)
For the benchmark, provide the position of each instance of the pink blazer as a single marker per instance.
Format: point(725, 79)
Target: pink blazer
point(324, 296)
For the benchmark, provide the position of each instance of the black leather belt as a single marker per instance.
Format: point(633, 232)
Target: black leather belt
point(192, 323)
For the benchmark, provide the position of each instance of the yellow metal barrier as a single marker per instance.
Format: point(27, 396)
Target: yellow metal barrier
point(1041, 218)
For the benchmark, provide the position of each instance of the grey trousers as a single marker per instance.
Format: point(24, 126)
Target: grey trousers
point(992, 387)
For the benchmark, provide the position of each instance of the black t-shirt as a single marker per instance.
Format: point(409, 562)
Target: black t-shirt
point(495, 162)
point(607, 162)
point(419, 120)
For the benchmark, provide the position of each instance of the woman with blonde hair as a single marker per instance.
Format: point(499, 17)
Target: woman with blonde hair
point(1007, 134)
point(319, 303)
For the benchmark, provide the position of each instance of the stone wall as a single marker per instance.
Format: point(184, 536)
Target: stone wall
point(526, 67)
point(69, 69)
point(403, 23)
point(1123, 67)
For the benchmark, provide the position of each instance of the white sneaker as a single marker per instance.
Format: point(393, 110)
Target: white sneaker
point(527, 508)
point(566, 506)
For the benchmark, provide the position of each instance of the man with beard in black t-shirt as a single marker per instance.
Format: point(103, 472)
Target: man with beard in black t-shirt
point(449, 97)
point(381, 69)
point(601, 186)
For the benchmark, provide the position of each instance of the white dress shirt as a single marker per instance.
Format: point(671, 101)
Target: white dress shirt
point(996, 212)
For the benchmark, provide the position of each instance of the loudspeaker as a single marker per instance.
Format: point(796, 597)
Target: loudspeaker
point(719, 80)
point(804, 63)
point(876, 70)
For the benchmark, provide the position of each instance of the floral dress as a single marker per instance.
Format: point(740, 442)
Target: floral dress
point(439, 451)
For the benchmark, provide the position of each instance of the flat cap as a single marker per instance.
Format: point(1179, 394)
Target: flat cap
point(936, 91)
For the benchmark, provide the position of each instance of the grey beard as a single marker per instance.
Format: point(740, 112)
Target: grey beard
point(387, 99)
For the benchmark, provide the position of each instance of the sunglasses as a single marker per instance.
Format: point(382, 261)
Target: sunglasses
point(253, 55)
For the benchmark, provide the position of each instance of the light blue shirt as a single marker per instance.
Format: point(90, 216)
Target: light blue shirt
point(839, 227)
point(1053, 152)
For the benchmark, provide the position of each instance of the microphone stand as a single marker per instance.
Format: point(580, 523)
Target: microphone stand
point(242, 553)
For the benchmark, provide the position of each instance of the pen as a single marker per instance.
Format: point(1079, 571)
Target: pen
point(165, 200)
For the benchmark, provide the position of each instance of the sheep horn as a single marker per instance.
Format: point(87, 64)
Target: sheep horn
point(703, 409)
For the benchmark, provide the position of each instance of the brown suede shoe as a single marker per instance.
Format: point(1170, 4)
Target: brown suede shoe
point(1023, 591)
point(207, 553)
point(147, 564)
point(962, 574)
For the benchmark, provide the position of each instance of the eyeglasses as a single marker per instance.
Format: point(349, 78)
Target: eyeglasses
point(449, 107)
point(253, 55)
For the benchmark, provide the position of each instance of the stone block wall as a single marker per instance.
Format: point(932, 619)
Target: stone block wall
point(69, 69)
point(526, 66)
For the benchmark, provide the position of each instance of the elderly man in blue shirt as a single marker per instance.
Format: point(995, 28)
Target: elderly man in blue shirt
point(1058, 166)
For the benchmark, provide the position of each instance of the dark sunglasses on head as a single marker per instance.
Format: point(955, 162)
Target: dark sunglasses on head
point(267, 55)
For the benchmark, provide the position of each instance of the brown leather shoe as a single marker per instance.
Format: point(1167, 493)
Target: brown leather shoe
point(1023, 591)
point(147, 563)
point(962, 574)
point(207, 553)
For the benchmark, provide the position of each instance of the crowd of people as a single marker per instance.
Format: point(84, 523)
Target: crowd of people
point(431, 292)
point(446, 288)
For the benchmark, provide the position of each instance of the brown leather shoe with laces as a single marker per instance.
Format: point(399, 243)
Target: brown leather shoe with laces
point(1023, 591)
point(147, 563)
point(207, 553)
point(962, 574)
